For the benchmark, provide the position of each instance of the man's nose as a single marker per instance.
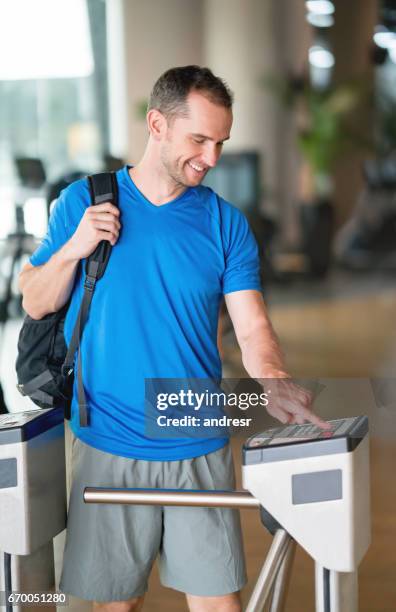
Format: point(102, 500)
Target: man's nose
point(211, 157)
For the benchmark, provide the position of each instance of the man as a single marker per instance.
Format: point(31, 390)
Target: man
point(178, 248)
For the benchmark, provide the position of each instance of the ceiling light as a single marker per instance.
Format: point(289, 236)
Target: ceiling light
point(384, 38)
point(320, 57)
point(320, 7)
point(320, 21)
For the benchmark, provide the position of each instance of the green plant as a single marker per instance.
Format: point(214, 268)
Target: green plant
point(141, 108)
point(323, 133)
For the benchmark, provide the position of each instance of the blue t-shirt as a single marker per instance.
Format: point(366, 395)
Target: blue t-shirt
point(154, 314)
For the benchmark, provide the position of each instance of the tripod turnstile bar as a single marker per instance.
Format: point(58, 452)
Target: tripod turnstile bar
point(269, 572)
point(276, 569)
point(170, 497)
point(279, 592)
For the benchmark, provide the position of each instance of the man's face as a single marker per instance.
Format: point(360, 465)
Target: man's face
point(192, 145)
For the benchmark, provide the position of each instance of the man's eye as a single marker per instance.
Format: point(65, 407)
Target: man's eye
point(198, 140)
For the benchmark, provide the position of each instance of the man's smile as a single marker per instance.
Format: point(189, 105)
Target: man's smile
point(196, 167)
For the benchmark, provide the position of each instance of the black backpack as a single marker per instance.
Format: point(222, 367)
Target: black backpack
point(45, 365)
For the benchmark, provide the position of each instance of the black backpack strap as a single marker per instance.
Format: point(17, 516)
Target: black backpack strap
point(35, 383)
point(32, 388)
point(103, 188)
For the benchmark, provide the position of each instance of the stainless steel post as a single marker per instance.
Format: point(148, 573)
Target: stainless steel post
point(271, 566)
point(27, 574)
point(335, 591)
point(279, 593)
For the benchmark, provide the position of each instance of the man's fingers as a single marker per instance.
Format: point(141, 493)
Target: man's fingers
point(103, 235)
point(293, 412)
point(310, 416)
point(297, 401)
point(109, 226)
point(288, 418)
point(298, 410)
point(279, 414)
point(287, 390)
point(106, 207)
point(292, 404)
point(105, 216)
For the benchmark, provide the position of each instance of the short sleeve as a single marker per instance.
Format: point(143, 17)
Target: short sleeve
point(242, 266)
point(63, 222)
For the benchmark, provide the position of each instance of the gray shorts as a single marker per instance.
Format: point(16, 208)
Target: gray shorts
point(110, 549)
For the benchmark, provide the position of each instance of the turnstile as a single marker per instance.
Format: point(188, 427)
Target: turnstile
point(32, 504)
point(317, 486)
point(313, 488)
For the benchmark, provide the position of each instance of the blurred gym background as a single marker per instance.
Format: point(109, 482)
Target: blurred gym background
point(311, 161)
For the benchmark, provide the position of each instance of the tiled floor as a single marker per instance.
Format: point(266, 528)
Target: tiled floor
point(345, 335)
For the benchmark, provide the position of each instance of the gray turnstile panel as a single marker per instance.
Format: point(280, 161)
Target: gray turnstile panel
point(8, 473)
point(314, 487)
point(32, 479)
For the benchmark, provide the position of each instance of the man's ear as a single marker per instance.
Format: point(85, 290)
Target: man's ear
point(156, 123)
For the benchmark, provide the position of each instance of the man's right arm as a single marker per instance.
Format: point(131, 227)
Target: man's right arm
point(47, 288)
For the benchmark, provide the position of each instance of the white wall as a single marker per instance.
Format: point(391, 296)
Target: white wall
point(239, 46)
point(159, 34)
point(244, 40)
point(117, 78)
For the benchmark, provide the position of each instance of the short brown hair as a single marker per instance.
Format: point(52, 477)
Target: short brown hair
point(169, 94)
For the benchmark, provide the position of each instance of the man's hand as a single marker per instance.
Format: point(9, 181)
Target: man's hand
point(290, 403)
point(100, 222)
point(263, 359)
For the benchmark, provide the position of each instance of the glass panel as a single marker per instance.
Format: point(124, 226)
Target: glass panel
point(53, 92)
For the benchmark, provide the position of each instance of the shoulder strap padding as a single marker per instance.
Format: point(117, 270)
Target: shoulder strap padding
point(103, 188)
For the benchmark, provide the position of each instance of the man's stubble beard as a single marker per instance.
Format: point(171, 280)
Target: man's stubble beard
point(171, 168)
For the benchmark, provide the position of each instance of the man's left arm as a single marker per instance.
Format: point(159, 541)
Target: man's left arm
point(263, 359)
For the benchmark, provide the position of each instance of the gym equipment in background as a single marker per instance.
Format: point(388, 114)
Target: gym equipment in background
point(367, 241)
point(18, 245)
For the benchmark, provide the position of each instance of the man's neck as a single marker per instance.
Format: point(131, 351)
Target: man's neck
point(157, 186)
